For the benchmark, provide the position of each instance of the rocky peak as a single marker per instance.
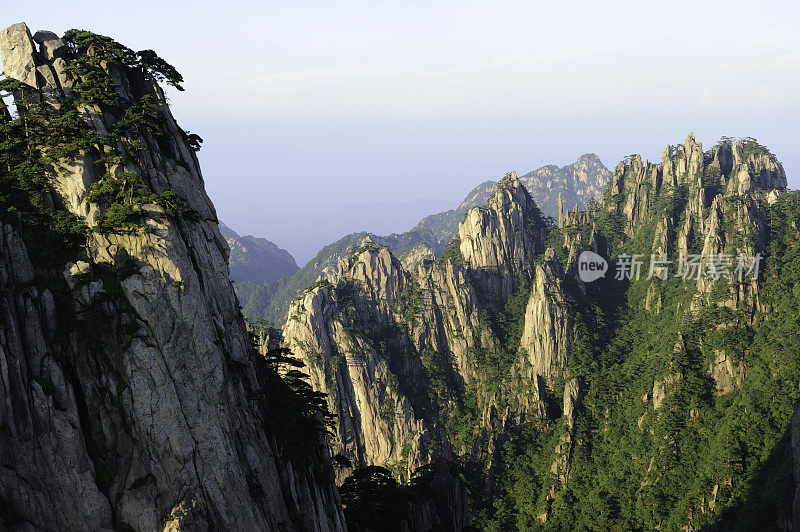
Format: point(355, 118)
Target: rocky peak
point(577, 183)
point(518, 359)
point(135, 399)
point(503, 237)
point(754, 167)
point(333, 327)
point(18, 54)
point(730, 168)
point(548, 323)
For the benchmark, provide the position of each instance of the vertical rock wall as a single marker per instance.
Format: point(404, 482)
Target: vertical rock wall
point(133, 396)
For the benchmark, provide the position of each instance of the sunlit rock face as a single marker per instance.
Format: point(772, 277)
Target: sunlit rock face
point(504, 324)
point(131, 394)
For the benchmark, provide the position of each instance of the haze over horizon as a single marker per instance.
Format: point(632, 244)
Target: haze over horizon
point(312, 105)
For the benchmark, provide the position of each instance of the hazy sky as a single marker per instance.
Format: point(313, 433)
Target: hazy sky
point(308, 105)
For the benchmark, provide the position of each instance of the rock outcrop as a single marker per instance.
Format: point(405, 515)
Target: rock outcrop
point(503, 326)
point(548, 324)
point(131, 395)
point(576, 184)
point(392, 348)
point(579, 183)
point(333, 328)
point(503, 238)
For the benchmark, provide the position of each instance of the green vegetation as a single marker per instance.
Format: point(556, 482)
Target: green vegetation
point(297, 413)
point(27, 145)
point(371, 497)
point(270, 300)
point(641, 468)
point(452, 252)
point(36, 142)
point(99, 48)
point(661, 440)
point(408, 302)
point(506, 326)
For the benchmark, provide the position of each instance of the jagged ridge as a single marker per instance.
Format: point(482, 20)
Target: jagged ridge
point(475, 352)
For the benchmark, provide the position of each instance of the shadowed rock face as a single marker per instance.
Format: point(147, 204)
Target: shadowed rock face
point(130, 392)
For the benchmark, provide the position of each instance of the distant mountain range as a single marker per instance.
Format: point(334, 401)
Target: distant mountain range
point(265, 292)
point(256, 259)
point(576, 183)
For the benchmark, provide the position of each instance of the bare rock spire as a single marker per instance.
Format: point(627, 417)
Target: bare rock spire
point(18, 54)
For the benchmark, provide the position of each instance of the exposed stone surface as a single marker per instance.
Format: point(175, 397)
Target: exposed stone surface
point(662, 387)
point(726, 374)
point(504, 237)
point(548, 323)
point(579, 183)
point(44, 460)
point(690, 202)
point(42, 36)
point(18, 54)
point(53, 48)
point(575, 184)
point(158, 414)
point(561, 465)
point(128, 397)
point(377, 423)
point(371, 335)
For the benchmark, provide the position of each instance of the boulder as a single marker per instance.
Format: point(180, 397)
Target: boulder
point(53, 48)
point(18, 54)
point(50, 44)
point(43, 36)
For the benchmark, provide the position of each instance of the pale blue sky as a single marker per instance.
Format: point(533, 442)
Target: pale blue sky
point(311, 104)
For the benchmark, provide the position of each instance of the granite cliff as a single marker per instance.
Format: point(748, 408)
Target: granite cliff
point(574, 184)
point(132, 397)
point(497, 383)
point(497, 355)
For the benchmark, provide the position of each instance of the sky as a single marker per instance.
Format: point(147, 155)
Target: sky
point(314, 113)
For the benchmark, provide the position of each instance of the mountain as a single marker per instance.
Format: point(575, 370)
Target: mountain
point(131, 395)
point(657, 396)
point(321, 221)
point(270, 300)
point(256, 259)
point(576, 184)
point(633, 366)
point(444, 225)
